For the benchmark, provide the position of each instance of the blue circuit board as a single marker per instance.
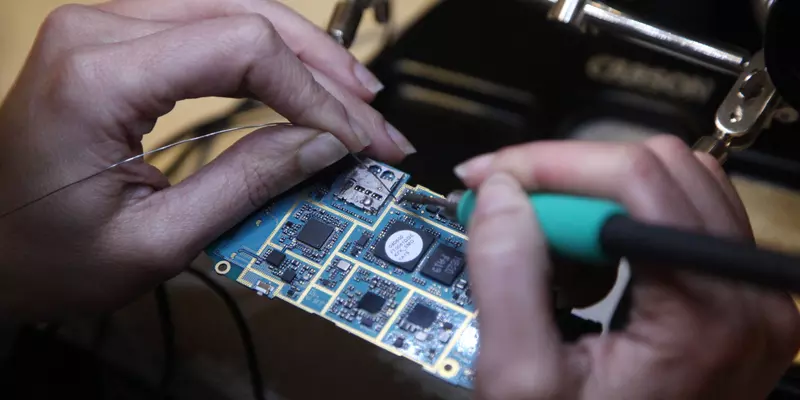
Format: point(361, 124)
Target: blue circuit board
point(343, 247)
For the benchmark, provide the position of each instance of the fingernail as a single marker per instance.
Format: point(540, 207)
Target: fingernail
point(320, 153)
point(363, 137)
point(400, 140)
point(367, 79)
point(473, 166)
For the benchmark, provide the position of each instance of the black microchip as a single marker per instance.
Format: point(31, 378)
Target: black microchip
point(368, 322)
point(444, 265)
point(403, 245)
point(432, 209)
point(371, 303)
point(422, 316)
point(288, 275)
point(315, 233)
point(362, 241)
point(275, 258)
point(399, 341)
point(447, 326)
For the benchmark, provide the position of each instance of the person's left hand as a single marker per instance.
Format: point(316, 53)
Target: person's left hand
point(96, 81)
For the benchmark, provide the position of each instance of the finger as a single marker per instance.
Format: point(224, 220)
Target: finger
point(180, 221)
point(310, 43)
point(385, 135)
point(73, 25)
point(630, 174)
point(231, 56)
point(734, 200)
point(510, 275)
point(714, 206)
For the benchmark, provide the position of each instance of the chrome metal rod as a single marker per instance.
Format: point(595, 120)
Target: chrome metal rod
point(613, 21)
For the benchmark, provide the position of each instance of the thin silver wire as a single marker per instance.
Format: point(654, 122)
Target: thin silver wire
point(141, 156)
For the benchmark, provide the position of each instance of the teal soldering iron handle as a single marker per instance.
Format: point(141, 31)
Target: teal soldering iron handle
point(571, 224)
point(599, 232)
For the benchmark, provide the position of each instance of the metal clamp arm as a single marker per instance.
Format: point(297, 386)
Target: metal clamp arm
point(347, 17)
point(745, 111)
point(582, 13)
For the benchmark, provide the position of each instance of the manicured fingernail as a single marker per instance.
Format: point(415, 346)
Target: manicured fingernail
point(320, 152)
point(473, 166)
point(400, 140)
point(367, 78)
point(363, 137)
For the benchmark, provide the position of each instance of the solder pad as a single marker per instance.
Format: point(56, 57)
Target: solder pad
point(341, 246)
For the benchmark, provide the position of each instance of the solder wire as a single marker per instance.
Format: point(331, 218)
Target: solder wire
point(139, 157)
point(167, 147)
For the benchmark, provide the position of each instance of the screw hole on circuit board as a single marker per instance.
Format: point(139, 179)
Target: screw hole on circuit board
point(222, 267)
point(449, 368)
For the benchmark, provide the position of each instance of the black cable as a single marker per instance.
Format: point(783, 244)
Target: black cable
point(624, 237)
point(256, 378)
point(101, 330)
point(168, 337)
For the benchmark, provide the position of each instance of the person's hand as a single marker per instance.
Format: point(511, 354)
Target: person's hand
point(688, 336)
point(96, 81)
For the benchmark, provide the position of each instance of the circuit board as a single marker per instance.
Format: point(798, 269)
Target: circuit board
point(343, 247)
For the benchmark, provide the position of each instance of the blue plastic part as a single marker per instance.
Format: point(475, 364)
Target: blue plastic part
point(571, 224)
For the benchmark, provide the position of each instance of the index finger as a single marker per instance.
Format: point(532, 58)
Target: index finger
point(510, 274)
point(311, 44)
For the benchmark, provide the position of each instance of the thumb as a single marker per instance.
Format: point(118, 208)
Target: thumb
point(180, 221)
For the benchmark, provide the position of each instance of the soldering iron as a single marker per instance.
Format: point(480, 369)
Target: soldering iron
point(599, 232)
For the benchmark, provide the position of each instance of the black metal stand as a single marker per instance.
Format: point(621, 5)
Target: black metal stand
point(473, 76)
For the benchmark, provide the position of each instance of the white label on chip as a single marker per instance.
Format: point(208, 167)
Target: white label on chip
point(404, 246)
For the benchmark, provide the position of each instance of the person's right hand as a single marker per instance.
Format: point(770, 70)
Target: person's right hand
point(688, 336)
point(96, 81)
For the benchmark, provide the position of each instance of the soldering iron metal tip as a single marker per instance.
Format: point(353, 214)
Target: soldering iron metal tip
point(449, 205)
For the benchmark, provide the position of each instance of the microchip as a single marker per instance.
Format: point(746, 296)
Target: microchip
point(288, 275)
point(399, 342)
point(362, 241)
point(422, 316)
point(315, 233)
point(368, 322)
point(447, 326)
point(275, 258)
point(444, 265)
point(403, 245)
point(432, 209)
point(371, 303)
